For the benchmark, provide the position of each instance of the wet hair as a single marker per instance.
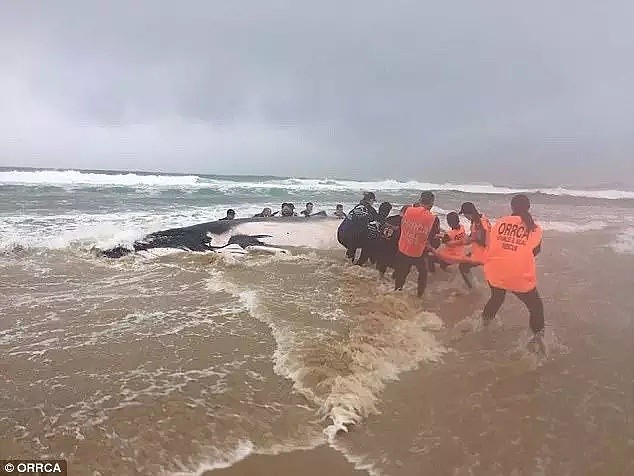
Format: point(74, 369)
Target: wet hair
point(453, 219)
point(520, 204)
point(231, 211)
point(309, 204)
point(367, 196)
point(287, 209)
point(385, 208)
point(427, 198)
point(339, 205)
point(468, 208)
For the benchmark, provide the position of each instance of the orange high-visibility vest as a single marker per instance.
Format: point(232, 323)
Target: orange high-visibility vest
point(510, 262)
point(415, 227)
point(479, 252)
point(454, 249)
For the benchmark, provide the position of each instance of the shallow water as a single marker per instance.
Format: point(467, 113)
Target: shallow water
point(183, 363)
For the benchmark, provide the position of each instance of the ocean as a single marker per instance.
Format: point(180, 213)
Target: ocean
point(197, 363)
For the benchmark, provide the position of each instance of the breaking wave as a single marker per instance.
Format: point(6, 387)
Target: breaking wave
point(77, 178)
point(343, 369)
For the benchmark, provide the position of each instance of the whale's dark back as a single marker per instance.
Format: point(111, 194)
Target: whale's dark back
point(193, 238)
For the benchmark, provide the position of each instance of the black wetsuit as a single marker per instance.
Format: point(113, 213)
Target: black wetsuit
point(353, 231)
point(370, 249)
point(387, 243)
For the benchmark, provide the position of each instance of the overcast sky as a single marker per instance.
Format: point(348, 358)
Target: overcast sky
point(497, 91)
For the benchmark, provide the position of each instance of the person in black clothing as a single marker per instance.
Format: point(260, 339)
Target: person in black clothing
point(288, 210)
point(375, 228)
point(265, 213)
point(309, 209)
point(353, 231)
point(387, 243)
point(339, 213)
point(231, 214)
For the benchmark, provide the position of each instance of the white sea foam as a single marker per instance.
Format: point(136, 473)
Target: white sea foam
point(624, 242)
point(571, 227)
point(380, 346)
point(76, 177)
point(79, 178)
point(217, 459)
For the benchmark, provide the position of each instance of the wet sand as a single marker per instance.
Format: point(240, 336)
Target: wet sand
point(151, 367)
point(316, 462)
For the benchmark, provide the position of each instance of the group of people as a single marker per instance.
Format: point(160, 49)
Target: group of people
point(288, 210)
point(414, 237)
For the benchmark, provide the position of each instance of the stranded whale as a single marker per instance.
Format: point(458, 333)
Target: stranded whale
point(266, 234)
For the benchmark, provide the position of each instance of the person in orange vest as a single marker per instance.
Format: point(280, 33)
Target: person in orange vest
point(478, 238)
point(418, 225)
point(453, 249)
point(510, 265)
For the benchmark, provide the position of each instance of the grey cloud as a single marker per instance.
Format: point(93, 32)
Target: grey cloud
point(501, 91)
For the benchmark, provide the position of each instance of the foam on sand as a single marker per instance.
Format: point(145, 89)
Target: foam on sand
point(216, 459)
point(343, 375)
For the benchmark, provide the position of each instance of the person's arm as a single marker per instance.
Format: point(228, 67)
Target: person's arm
point(469, 238)
point(435, 228)
point(433, 239)
point(373, 214)
point(480, 237)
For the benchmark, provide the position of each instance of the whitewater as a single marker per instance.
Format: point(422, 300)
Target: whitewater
point(79, 178)
point(55, 209)
point(202, 363)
